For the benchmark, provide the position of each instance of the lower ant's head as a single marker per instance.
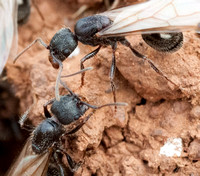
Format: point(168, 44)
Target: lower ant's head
point(69, 109)
point(61, 46)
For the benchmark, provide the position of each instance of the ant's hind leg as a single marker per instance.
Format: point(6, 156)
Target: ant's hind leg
point(56, 157)
point(73, 166)
point(88, 56)
point(136, 53)
point(112, 71)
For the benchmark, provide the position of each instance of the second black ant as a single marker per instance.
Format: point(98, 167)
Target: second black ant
point(45, 141)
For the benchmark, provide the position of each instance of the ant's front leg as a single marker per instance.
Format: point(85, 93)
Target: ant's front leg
point(46, 111)
point(88, 56)
point(24, 118)
point(74, 130)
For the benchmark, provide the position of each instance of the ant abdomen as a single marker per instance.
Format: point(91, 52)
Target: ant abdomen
point(166, 42)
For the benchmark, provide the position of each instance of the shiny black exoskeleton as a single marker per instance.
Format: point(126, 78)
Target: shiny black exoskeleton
point(69, 109)
point(61, 46)
point(86, 31)
point(87, 28)
point(47, 135)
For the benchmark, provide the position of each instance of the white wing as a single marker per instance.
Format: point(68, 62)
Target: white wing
point(8, 30)
point(29, 164)
point(154, 16)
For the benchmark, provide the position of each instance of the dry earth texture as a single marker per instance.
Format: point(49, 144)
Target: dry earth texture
point(128, 141)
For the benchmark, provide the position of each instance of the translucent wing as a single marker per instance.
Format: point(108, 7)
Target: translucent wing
point(8, 30)
point(154, 16)
point(30, 164)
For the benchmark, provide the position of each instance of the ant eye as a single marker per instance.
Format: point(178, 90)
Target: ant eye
point(66, 52)
point(79, 104)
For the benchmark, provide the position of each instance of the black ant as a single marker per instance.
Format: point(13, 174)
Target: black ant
point(86, 30)
point(45, 140)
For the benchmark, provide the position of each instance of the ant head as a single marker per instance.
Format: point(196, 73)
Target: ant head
point(69, 109)
point(62, 45)
point(45, 135)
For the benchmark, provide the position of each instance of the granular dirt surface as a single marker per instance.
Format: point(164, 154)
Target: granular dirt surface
point(128, 141)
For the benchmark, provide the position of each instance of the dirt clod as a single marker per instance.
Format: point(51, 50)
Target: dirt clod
point(126, 142)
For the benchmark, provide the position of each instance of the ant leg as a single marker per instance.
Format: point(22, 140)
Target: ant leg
point(80, 11)
point(25, 116)
point(88, 56)
point(56, 157)
point(73, 166)
point(111, 6)
point(79, 72)
point(38, 10)
point(37, 40)
point(112, 71)
point(67, 88)
point(46, 111)
point(74, 130)
point(136, 53)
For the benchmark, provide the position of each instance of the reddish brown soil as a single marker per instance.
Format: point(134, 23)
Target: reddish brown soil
point(126, 142)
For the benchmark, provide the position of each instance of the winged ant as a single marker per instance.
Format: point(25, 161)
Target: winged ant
point(44, 144)
point(156, 20)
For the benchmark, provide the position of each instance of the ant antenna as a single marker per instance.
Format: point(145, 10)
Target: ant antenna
point(66, 87)
point(109, 104)
point(76, 73)
point(25, 49)
point(73, 74)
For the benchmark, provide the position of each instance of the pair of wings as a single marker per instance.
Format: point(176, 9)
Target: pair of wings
point(30, 164)
point(8, 30)
point(154, 16)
